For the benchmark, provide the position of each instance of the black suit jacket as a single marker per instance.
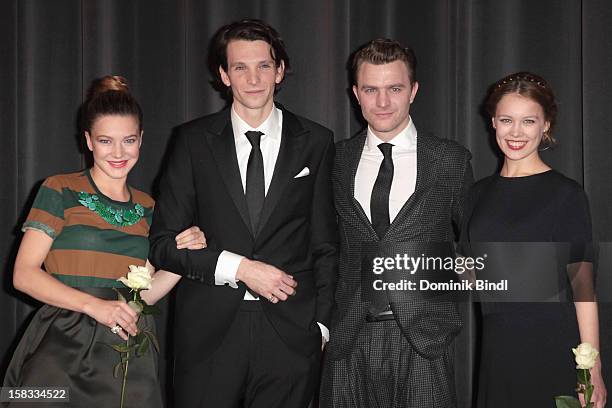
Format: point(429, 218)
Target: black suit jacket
point(431, 214)
point(298, 234)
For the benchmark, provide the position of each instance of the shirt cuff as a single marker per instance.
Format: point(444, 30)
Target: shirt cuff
point(227, 266)
point(324, 331)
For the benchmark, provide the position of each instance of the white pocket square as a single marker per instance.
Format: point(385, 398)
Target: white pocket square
point(305, 171)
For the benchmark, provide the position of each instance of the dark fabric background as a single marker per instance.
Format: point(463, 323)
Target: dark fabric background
point(51, 50)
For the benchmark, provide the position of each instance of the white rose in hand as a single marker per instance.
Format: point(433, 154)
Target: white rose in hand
point(138, 278)
point(586, 355)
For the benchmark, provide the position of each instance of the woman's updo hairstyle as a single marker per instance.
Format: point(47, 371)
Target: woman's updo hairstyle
point(109, 95)
point(530, 86)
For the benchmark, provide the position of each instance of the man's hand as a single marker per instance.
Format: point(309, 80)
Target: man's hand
point(266, 280)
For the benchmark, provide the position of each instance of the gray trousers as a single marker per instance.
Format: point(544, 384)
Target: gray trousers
point(384, 371)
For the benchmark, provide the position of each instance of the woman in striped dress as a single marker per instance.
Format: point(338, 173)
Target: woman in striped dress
point(87, 228)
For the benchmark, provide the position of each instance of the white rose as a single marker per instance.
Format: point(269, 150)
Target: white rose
point(138, 278)
point(586, 355)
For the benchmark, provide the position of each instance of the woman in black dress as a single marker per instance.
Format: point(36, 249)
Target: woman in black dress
point(526, 357)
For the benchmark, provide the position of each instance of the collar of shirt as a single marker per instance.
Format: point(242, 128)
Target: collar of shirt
point(271, 127)
point(405, 140)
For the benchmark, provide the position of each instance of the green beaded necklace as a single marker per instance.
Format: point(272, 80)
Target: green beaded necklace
point(115, 216)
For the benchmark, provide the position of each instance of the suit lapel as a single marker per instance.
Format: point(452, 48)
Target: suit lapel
point(293, 137)
point(221, 142)
point(354, 150)
point(427, 155)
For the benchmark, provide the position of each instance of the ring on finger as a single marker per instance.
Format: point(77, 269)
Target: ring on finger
point(116, 329)
point(271, 298)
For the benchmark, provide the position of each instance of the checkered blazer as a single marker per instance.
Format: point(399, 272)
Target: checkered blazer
point(432, 214)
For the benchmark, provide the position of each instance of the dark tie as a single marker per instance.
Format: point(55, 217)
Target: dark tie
point(379, 203)
point(255, 183)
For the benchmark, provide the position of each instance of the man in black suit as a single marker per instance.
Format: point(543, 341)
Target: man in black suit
point(253, 307)
point(392, 188)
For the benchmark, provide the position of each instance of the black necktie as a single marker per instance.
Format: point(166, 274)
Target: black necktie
point(255, 183)
point(379, 203)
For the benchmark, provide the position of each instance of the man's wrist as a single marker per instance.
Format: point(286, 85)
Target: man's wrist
point(227, 267)
point(242, 267)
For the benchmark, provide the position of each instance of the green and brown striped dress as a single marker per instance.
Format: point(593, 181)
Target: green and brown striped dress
point(95, 239)
point(91, 248)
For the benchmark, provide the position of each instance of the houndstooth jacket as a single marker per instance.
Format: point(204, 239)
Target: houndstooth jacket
point(432, 214)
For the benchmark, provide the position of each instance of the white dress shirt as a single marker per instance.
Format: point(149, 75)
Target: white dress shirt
point(228, 262)
point(404, 154)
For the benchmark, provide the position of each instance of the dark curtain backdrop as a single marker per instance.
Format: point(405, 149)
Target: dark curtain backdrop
point(51, 50)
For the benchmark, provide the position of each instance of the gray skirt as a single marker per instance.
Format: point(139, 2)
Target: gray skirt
point(62, 348)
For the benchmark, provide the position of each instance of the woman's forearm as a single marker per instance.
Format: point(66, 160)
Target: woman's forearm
point(28, 277)
point(43, 287)
point(163, 282)
point(588, 322)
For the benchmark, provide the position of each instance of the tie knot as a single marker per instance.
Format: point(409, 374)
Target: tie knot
point(254, 137)
point(385, 148)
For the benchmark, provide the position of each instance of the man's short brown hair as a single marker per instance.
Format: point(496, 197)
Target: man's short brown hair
point(248, 30)
point(384, 51)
